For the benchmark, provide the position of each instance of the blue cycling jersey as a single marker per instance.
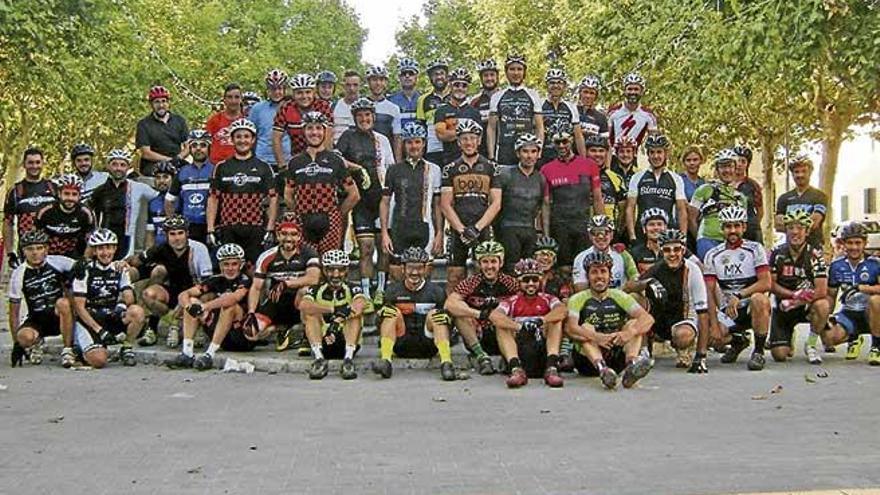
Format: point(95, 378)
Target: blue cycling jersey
point(192, 185)
point(156, 218)
point(262, 115)
point(844, 276)
point(407, 106)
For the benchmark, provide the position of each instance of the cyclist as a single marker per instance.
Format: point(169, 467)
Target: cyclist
point(447, 115)
point(325, 83)
point(553, 281)
point(611, 184)
point(855, 277)
point(803, 197)
point(215, 305)
point(191, 186)
point(343, 120)
point(522, 203)
point(470, 198)
point(624, 161)
point(427, 105)
point(513, 111)
point(573, 188)
point(752, 191)
point(312, 180)
point(248, 100)
point(67, 222)
point(488, 71)
point(105, 304)
point(163, 174)
point(654, 223)
point(40, 282)
point(413, 323)
point(282, 270)
point(235, 211)
point(117, 203)
point(413, 187)
point(530, 331)
point(333, 317)
point(623, 269)
point(473, 301)
point(656, 187)
point(288, 119)
point(692, 159)
point(800, 284)
point(161, 135)
point(81, 155)
point(740, 270)
point(710, 198)
point(629, 117)
point(262, 115)
point(387, 120)
point(407, 98)
point(608, 326)
point(555, 109)
point(24, 200)
point(591, 118)
point(219, 124)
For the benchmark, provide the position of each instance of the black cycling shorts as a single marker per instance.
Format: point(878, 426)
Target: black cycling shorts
point(532, 354)
point(488, 339)
point(249, 237)
point(235, 341)
point(365, 215)
point(572, 239)
point(782, 325)
point(414, 345)
point(283, 312)
point(615, 358)
point(45, 323)
point(198, 232)
point(518, 242)
point(458, 252)
point(407, 235)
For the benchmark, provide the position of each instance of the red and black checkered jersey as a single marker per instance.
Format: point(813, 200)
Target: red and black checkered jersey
point(288, 119)
point(241, 186)
point(315, 181)
point(68, 230)
point(476, 288)
point(25, 199)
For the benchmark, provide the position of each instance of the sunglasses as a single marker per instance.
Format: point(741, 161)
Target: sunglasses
point(408, 74)
point(198, 144)
point(671, 249)
point(530, 279)
point(459, 85)
point(600, 232)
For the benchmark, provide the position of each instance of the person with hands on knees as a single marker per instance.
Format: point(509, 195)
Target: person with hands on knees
point(333, 316)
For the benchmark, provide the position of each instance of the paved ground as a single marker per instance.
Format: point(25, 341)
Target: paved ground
point(148, 430)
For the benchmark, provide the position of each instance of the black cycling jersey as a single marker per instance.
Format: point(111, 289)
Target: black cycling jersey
point(272, 264)
point(812, 201)
point(219, 284)
point(521, 197)
point(40, 286)
point(315, 182)
point(561, 112)
point(481, 104)
point(410, 186)
point(652, 191)
point(515, 108)
point(25, 199)
point(414, 305)
point(591, 116)
point(68, 230)
point(184, 270)
point(476, 289)
point(100, 285)
point(241, 186)
point(797, 271)
point(450, 114)
point(362, 148)
point(470, 185)
point(644, 256)
point(108, 202)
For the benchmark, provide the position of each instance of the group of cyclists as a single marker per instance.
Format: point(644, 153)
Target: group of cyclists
point(561, 254)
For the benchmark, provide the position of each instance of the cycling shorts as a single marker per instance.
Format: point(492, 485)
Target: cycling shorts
point(518, 242)
point(532, 354)
point(235, 341)
point(572, 239)
point(782, 325)
point(365, 215)
point(283, 312)
point(249, 237)
point(662, 329)
point(615, 358)
point(854, 322)
point(458, 252)
point(415, 346)
point(743, 319)
point(45, 323)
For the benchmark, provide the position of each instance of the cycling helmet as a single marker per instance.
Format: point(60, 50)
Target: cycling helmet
point(200, 135)
point(165, 167)
point(488, 248)
point(546, 243)
point(724, 156)
point(438, 63)
point(527, 266)
point(743, 151)
point(102, 237)
point(560, 130)
point(68, 181)
point(242, 124)
point(276, 78)
point(460, 74)
point(624, 142)
point(853, 230)
point(799, 159)
point(314, 117)
point(250, 96)
point(362, 104)
point(468, 126)
point(119, 154)
point(601, 222)
point(672, 236)
point(301, 81)
point(515, 58)
point(527, 139)
point(376, 71)
point(32, 237)
point(407, 64)
point(335, 258)
point(487, 64)
point(656, 141)
point(732, 214)
point(590, 81)
point(595, 141)
point(414, 254)
point(413, 130)
point(230, 252)
point(799, 216)
point(81, 149)
point(598, 258)
point(175, 222)
point(157, 92)
point(654, 214)
point(633, 78)
point(326, 76)
point(556, 75)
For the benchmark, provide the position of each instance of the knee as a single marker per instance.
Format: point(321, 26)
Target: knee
point(820, 306)
point(682, 339)
point(27, 337)
point(135, 313)
point(158, 272)
point(150, 294)
point(760, 302)
point(63, 306)
point(874, 302)
point(780, 354)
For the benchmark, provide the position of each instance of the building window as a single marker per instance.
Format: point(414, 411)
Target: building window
point(870, 200)
point(844, 208)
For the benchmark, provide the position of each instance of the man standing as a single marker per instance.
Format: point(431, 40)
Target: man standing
point(188, 194)
point(488, 71)
point(591, 118)
point(161, 134)
point(263, 116)
point(24, 199)
point(387, 113)
point(407, 98)
point(513, 111)
point(752, 191)
point(555, 109)
point(803, 197)
point(428, 104)
point(447, 115)
point(522, 203)
point(326, 86)
point(343, 120)
point(656, 187)
point(631, 118)
point(82, 155)
point(218, 124)
point(289, 117)
point(709, 199)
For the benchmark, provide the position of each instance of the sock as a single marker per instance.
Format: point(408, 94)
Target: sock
point(188, 347)
point(365, 287)
point(737, 339)
point(759, 343)
point(812, 340)
point(566, 346)
point(514, 363)
point(386, 347)
point(212, 348)
point(600, 365)
point(875, 341)
point(153, 322)
point(477, 351)
point(552, 361)
point(317, 352)
point(444, 351)
point(349, 351)
point(380, 282)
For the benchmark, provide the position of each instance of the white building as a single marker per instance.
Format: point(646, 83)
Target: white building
point(858, 179)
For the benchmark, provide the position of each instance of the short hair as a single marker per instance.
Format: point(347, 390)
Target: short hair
point(351, 73)
point(692, 149)
point(32, 151)
point(230, 87)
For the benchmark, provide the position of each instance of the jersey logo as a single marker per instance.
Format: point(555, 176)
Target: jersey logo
point(864, 276)
point(196, 198)
point(628, 124)
point(733, 269)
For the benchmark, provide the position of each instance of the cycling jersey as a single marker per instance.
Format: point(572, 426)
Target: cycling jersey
point(117, 207)
point(24, 200)
point(476, 289)
point(653, 191)
point(622, 269)
point(156, 218)
point(342, 118)
point(184, 269)
point(387, 120)
point(191, 186)
point(481, 103)
point(221, 139)
point(219, 285)
point(645, 257)
point(607, 314)
point(425, 109)
point(633, 123)
point(470, 186)
point(735, 267)
point(407, 106)
point(570, 187)
point(91, 181)
point(685, 291)
point(521, 197)
point(613, 188)
point(812, 200)
point(40, 286)
point(415, 305)
point(520, 307)
point(274, 267)
point(370, 150)
point(626, 172)
point(240, 187)
point(449, 114)
point(100, 285)
point(515, 108)
point(563, 111)
point(316, 181)
point(412, 188)
point(333, 297)
point(797, 271)
point(68, 230)
point(164, 138)
point(593, 117)
point(709, 199)
point(843, 275)
point(289, 119)
point(262, 114)
point(690, 186)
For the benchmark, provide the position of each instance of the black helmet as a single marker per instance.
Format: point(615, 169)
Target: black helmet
point(31, 237)
point(81, 149)
point(546, 243)
point(743, 151)
point(414, 254)
point(599, 258)
point(656, 141)
point(175, 222)
point(595, 141)
point(852, 230)
point(326, 76)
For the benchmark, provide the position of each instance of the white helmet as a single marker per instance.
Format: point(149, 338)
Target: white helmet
point(556, 75)
point(376, 71)
point(633, 78)
point(335, 257)
point(468, 126)
point(302, 81)
point(527, 140)
point(242, 124)
point(102, 237)
point(590, 81)
point(230, 252)
point(119, 154)
point(732, 214)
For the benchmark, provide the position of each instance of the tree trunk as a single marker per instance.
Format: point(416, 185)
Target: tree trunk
point(833, 130)
point(768, 172)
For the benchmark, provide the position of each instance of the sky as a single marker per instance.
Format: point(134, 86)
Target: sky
point(382, 19)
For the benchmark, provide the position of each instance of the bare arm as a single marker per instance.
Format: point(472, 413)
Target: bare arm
point(273, 212)
point(598, 201)
point(579, 144)
point(211, 213)
point(545, 215)
point(457, 307)
point(14, 314)
point(631, 218)
point(352, 196)
point(682, 207)
point(254, 293)
point(492, 211)
point(538, 121)
point(491, 129)
point(449, 211)
point(277, 147)
point(79, 304)
point(8, 237)
point(226, 300)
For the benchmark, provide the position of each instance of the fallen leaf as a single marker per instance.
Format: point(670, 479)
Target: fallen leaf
point(759, 397)
point(822, 373)
point(809, 378)
point(195, 470)
point(438, 399)
point(778, 407)
point(3, 387)
point(776, 390)
point(253, 447)
point(545, 411)
point(57, 419)
point(187, 380)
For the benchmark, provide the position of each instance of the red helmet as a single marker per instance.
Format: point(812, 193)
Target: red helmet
point(157, 92)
